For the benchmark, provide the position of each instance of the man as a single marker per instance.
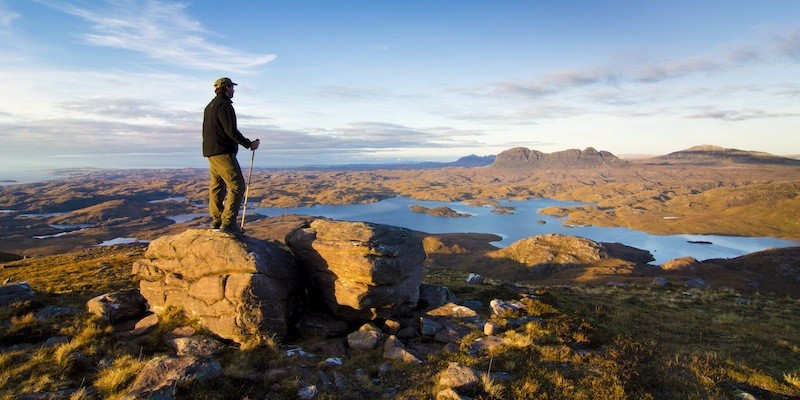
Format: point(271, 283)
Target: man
point(221, 140)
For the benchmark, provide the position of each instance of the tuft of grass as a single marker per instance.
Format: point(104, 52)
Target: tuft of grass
point(493, 390)
point(113, 379)
point(792, 378)
point(23, 321)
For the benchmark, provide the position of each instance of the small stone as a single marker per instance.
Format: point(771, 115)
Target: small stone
point(391, 327)
point(324, 380)
point(366, 338)
point(501, 306)
point(659, 281)
point(339, 381)
point(56, 340)
point(429, 327)
point(491, 328)
point(308, 393)
point(333, 362)
point(742, 301)
point(394, 349)
point(384, 368)
point(697, 283)
point(197, 346)
point(145, 325)
point(407, 333)
point(459, 377)
point(475, 279)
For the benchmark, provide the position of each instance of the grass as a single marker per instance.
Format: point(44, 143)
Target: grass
point(593, 342)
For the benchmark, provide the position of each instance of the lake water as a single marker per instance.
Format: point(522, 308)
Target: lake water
point(523, 223)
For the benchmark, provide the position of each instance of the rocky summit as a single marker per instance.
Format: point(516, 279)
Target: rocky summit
point(361, 270)
point(237, 287)
point(524, 158)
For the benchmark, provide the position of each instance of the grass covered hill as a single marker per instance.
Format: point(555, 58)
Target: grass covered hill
point(579, 342)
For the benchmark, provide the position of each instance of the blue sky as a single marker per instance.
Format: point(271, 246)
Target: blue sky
point(123, 83)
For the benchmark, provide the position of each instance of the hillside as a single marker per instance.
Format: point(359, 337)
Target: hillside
point(715, 155)
point(575, 341)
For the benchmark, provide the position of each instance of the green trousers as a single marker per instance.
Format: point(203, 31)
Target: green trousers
point(225, 189)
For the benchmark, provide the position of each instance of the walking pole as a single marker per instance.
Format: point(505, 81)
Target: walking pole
point(247, 190)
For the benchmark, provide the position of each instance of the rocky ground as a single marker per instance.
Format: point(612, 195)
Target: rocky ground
point(78, 330)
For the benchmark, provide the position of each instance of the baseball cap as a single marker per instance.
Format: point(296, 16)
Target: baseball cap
point(223, 82)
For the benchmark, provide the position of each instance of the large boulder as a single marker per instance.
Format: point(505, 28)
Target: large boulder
point(361, 270)
point(238, 287)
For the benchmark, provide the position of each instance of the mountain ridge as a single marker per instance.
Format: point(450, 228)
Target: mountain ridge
point(524, 158)
point(715, 155)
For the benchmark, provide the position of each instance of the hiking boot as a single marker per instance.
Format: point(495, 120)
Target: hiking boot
point(231, 229)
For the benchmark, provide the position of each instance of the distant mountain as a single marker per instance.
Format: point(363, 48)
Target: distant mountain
point(524, 158)
point(715, 155)
point(468, 161)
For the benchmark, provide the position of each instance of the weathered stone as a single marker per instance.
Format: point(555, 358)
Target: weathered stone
point(697, 283)
point(459, 377)
point(339, 381)
point(324, 380)
point(160, 375)
point(56, 340)
point(361, 270)
point(432, 296)
point(394, 349)
point(499, 307)
point(683, 264)
point(366, 338)
point(429, 327)
point(487, 344)
point(238, 287)
point(407, 333)
point(145, 325)
point(659, 281)
point(452, 310)
point(201, 346)
point(453, 332)
point(391, 327)
point(15, 293)
point(308, 393)
point(475, 279)
point(117, 306)
point(491, 328)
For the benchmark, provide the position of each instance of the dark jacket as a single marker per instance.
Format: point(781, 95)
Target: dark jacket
point(220, 135)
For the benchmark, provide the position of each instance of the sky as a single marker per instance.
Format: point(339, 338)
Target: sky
point(123, 83)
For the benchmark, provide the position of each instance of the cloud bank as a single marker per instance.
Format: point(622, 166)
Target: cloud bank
point(161, 31)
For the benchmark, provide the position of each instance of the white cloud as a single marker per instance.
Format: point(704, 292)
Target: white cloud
point(7, 18)
point(161, 31)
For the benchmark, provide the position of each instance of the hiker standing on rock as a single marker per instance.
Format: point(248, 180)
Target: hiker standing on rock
point(221, 140)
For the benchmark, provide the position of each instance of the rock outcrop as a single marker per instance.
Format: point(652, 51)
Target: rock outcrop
point(553, 249)
point(238, 287)
point(361, 270)
point(524, 158)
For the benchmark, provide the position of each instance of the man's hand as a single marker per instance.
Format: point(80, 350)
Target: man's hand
point(254, 144)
